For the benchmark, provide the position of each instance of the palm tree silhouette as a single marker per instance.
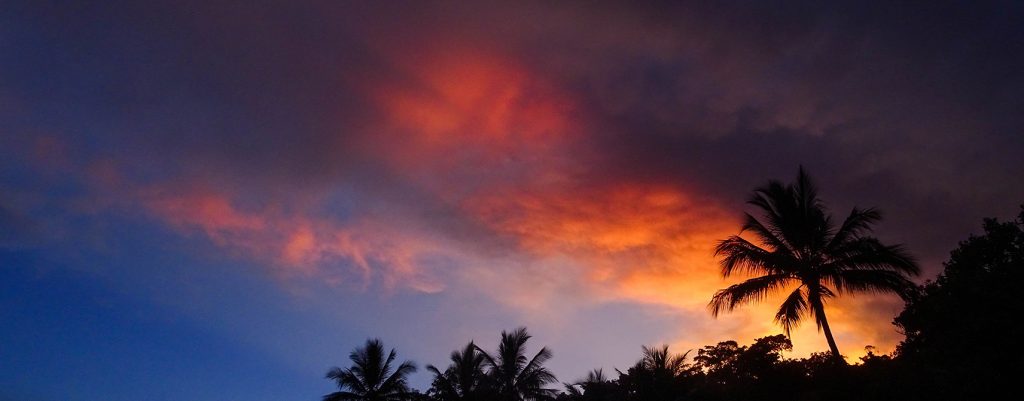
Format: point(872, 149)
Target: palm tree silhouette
point(595, 376)
point(464, 379)
point(661, 361)
point(370, 378)
point(800, 245)
point(515, 377)
point(596, 386)
point(659, 375)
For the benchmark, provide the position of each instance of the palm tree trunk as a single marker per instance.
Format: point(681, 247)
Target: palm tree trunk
point(814, 296)
point(823, 321)
point(828, 337)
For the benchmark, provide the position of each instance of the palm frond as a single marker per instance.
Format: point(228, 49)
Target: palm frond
point(347, 378)
point(542, 356)
point(792, 311)
point(857, 224)
point(776, 202)
point(794, 213)
point(573, 390)
point(868, 253)
point(806, 191)
point(768, 236)
point(334, 373)
point(510, 350)
point(742, 255)
point(872, 281)
point(751, 290)
point(595, 376)
point(396, 383)
point(490, 361)
point(441, 380)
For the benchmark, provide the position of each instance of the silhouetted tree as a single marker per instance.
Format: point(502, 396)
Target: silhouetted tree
point(718, 362)
point(595, 387)
point(464, 379)
point(513, 375)
point(371, 378)
point(732, 371)
point(658, 376)
point(962, 327)
point(800, 245)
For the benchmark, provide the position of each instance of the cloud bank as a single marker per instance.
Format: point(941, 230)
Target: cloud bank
point(551, 156)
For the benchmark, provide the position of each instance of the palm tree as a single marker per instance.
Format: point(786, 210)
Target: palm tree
point(800, 245)
point(659, 375)
point(594, 376)
point(464, 379)
point(595, 387)
point(661, 361)
point(370, 378)
point(515, 377)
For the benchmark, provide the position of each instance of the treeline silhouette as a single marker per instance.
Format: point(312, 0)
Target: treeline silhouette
point(962, 328)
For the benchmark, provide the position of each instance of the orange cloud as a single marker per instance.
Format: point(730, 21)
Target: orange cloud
point(499, 144)
point(653, 244)
point(625, 232)
point(211, 212)
point(296, 243)
point(467, 109)
point(504, 149)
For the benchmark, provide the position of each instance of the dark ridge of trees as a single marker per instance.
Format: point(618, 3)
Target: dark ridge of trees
point(959, 331)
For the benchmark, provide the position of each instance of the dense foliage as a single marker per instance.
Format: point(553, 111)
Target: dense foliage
point(959, 326)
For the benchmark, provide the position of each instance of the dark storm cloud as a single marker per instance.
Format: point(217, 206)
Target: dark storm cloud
point(596, 144)
point(910, 108)
point(919, 97)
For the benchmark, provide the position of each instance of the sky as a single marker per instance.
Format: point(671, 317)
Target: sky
point(219, 200)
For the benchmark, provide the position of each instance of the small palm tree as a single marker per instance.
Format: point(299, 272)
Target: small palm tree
point(371, 378)
point(464, 379)
point(595, 376)
point(515, 377)
point(595, 386)
point(659, 375)
point(661, 361)
point(800, 246)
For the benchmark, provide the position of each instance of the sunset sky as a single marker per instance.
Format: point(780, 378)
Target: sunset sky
point(219, 200)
